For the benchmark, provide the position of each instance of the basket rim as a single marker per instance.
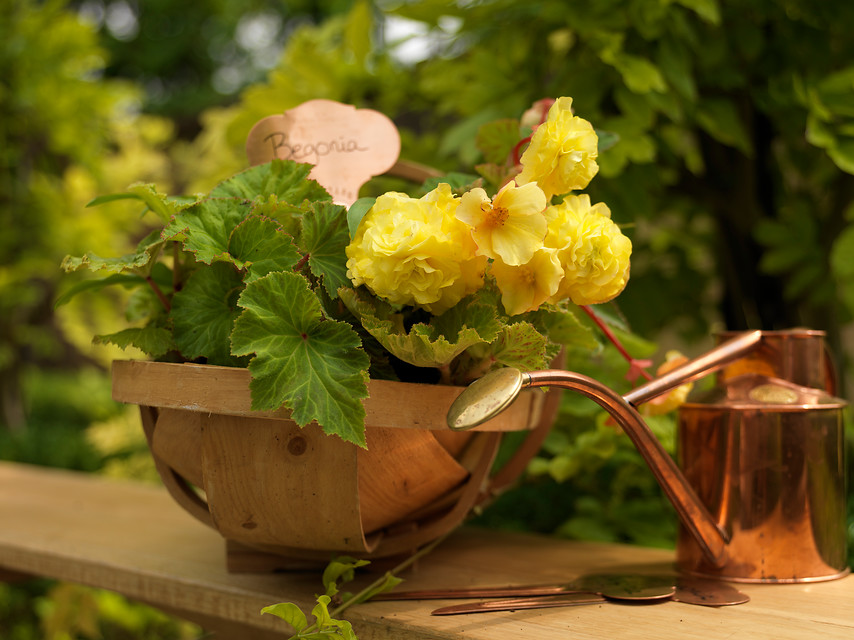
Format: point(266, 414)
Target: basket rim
point(225, 390)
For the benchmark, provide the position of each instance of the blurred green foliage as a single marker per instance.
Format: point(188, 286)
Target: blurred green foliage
point(45, 610)
point(65, 136)
point(732, 173)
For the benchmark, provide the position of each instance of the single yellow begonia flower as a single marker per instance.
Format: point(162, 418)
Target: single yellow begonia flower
point(594, 253)
point(562, 154)
point(511, 226)
point(415, 252)
point(525, 287)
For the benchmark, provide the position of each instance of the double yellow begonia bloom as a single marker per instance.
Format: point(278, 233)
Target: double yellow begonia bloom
point(594, 253)
point(562, 154)
point(433, 251)
point(415, 252)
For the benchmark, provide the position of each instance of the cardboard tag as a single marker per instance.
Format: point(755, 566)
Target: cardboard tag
point(347, 146)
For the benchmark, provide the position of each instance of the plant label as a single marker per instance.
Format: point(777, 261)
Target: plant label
point(347, 146)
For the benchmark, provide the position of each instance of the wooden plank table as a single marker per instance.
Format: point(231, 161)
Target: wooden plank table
point(133, 539)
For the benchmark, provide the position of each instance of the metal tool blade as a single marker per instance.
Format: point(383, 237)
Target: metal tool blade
point(509, 591)
point(709, 593)
point(514, 604)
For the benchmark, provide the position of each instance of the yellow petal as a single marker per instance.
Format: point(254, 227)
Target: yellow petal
point(520, 237)
point(525, 287)
point(519, 201)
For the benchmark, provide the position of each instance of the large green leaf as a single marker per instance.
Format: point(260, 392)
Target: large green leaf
point(203, 313)
point(311, 365)
point(324, 237)
point(285, 179)
point(260, 246)
point(206, 227)
point(423, 345)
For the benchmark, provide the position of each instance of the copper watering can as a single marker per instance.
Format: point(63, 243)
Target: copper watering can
point(761, 490)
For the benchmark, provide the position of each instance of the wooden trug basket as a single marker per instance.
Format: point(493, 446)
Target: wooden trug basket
point(286, 497)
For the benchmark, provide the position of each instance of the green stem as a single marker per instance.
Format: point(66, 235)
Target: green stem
point(365, 593)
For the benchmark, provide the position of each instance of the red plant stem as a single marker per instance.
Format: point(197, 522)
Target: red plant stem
point(517, 156)
point(299, 265)
point(635, 365)
point(160, 295)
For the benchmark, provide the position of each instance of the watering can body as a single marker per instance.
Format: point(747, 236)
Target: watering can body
point(765, 453)
point(760, 491)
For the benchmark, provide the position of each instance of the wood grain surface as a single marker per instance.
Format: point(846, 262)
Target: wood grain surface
point(133, 539)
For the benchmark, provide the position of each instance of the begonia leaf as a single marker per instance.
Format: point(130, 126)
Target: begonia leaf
point(521, 346)
point(423, 345)
point(303, 361)
point(206, 227)
point(286, 214)
point(285, 179)
point(259, 245)
point(357, 211)
point(161, 204)
point(565, 328)
point(324, 237)
point(204, 311)
point(155, 341)
point(140, 260)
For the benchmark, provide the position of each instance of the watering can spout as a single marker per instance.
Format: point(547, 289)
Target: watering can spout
point(491, 394)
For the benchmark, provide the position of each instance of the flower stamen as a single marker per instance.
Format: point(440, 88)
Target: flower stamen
point(495, 216)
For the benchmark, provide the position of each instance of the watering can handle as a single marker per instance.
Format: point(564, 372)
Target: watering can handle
point(721, 355)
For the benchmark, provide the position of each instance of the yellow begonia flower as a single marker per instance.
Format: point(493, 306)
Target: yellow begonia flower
point(415, 252)
point(592, 250)
point(525, 287)
point(562, 154)
point(511, 226)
